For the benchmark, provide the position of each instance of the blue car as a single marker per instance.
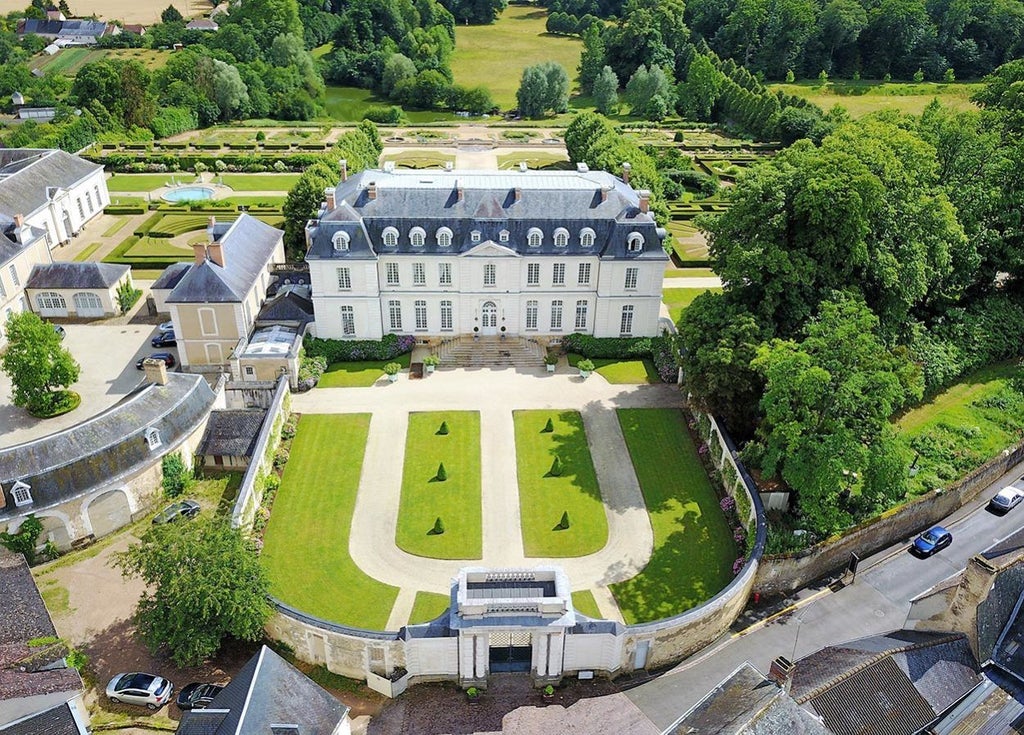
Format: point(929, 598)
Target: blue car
point(932, 540)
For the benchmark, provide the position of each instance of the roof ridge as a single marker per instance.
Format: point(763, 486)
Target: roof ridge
point(251, 687)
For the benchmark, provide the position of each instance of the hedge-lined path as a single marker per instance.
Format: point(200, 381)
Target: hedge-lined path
point(495, 394)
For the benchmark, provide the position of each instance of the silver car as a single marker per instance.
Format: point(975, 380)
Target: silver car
point(147, 690)
point(1006, 499)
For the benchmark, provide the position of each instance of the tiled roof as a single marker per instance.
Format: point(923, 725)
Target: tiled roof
point(268, 691)
point(232, 433)
point(76, 275)
point(248, 247)
point(97, 451)
point(26, 174)
point(289, 305)
point(54, 721)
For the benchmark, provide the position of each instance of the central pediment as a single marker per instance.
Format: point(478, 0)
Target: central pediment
point(490, 249)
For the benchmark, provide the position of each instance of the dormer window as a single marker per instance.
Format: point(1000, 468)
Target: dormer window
point(587, 238)
point(390, 237)
point(503, 236)
point(153, 440)
point(444, 238)
point(534, 237)
point(635, 242)
point(474, 236)
point(417, 236)
point(561, 237)
point(22, 493)
point(340, 241)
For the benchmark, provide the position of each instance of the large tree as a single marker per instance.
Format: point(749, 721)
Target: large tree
point(204, 583)
point(37, 364)
point(543, 87)
point(606, 92)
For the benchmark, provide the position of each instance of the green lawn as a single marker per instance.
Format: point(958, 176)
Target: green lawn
point(115, 226)
point(145, 182)
point(693, 546)
point(349, 104)
point(677, 299)
point(357, 374)
point(84, 255)
point(157, 247)
point(543, 498)
point(494, 56)
point(259, 182)
point(864, 97)
point(305, 547)
point(625, 372)
point(419, 159)
point(584, 602)
point(674, 272)
point(961, 428)
point(535, 161)
point(456, 500)
point(428, 606)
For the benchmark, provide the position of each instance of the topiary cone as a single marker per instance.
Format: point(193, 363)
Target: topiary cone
point(548, 427)
point(563, 524)
point(442, 474)
point(443, 430)
point(438, 528)
point(556, 467)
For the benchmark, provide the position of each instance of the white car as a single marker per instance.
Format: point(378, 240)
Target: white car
point(166, 327)
point(1006, 499)
point(147, 690)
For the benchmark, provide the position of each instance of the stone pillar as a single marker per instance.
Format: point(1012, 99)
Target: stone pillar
point(556, 650)
point(540, 655)
point(480, 667)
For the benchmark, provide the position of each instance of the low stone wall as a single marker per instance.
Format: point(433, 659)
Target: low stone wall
point(784, 573)
point(250, 492)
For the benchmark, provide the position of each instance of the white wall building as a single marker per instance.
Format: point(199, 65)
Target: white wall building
point(525, 253)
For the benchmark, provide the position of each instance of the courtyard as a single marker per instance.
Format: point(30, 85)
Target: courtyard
point(639, 539)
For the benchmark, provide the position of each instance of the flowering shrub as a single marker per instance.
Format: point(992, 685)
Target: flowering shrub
point(727, 503)
point(737, 566)
point(739, 535)
point(702, 449)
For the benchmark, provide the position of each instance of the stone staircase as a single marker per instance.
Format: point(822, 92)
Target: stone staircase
point(491, 352)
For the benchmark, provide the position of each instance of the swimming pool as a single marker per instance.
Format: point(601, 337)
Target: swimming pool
point(188, 194)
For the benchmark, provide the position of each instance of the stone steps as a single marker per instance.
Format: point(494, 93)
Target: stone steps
point(467, 352)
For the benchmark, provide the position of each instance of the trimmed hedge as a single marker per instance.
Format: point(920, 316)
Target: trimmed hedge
point(336, 350)
point(147, 225)
point(114, 209)
point(657, 349)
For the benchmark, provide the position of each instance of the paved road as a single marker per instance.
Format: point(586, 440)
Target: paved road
point(878, 602)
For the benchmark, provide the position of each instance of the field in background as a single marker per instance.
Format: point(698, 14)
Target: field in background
point(864, 97)
point(129, 11)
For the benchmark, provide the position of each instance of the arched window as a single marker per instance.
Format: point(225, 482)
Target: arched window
point(48, 300)
point(340, 241)
point(153, 440)
point(444, 237)
point(417, 236)
point(534, 237)
point(390, 237)
point(587, 238)
point(503, 236)
point(635, 242)
point(561, 237)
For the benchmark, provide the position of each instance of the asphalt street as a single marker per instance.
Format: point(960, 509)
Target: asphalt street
point(877, 602)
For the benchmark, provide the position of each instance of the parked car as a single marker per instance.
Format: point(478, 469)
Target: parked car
point(166, 327)
point(167, 357)
point(1006, 499)
point(932, 540)
point(164, 339)
point(147, 690)
point(59, 330)
point(174, 511)
point(197, 695)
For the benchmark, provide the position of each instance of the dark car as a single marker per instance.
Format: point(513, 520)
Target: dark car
point(197, 695)
point(167, 357)
point(164, 339)
point(174, 511)
point(932, 540)
point(147, 690)
point(59, 330)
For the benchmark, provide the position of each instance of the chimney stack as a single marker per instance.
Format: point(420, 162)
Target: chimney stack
point(371, 190)
point(19, 220)
point(522, 167)
point(582, 167)
point(343, 165)
point(329, 199)
point(199, 250)
point(460, 193)
point(448, 166)
point(645, 201)
point(20, 228)
point(389, 167)
point(626, 168)
point(517, 194)
point(210, 225)
point(156, 371)
point(215, 252)
point(604, 192)
point(781, 672)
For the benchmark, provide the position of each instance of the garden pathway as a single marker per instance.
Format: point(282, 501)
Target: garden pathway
point(495, 394)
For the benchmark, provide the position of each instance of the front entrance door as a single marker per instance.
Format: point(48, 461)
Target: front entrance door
point(510, 652)
point(489, 318)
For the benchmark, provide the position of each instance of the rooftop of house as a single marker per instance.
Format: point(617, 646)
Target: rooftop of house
point(248, 246)
point(290, 304)
point(11, 244)
point(33, 675)
point(477, 208)
point(30, 177)
point(76, 275)
point(267, 691)
point(202, 24)
point(171, 276)
point(56, 720)
point(232, 433)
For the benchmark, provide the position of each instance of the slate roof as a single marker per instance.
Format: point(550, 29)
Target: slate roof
point(39, 27)
point(171, 276)
point(490, 203)
point(96, 452)
point(26, 175)
point(249, 246)
point(76, 275)
point(10, 248)
point(290, 305)
point(893, 684)
point(25, 618)
point(77, 27)
point(54, 721)
point(746, 702)
point(267, 691)
point(232, 433)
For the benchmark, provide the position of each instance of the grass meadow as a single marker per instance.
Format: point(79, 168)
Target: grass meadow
point(543, 498)
point(305, 547)
point(864, 97)
point(456, 500)
point(357, 374)
point(693, 545)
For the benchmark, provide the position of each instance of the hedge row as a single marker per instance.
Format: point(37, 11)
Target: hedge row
point(612, 348)
point(336, 350)
point(114, 209)
point(127, 162)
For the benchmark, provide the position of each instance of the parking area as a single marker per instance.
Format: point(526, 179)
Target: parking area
point(107, 354)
